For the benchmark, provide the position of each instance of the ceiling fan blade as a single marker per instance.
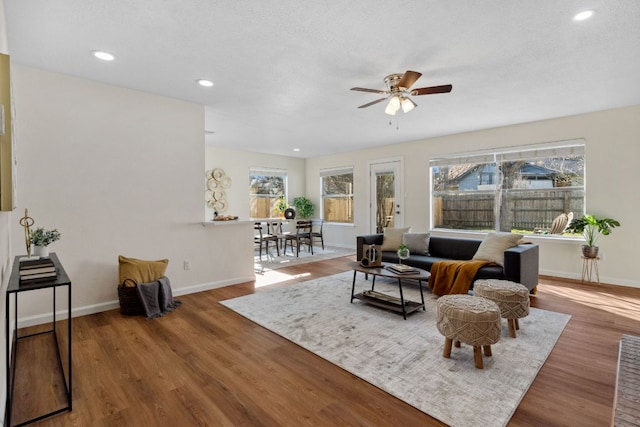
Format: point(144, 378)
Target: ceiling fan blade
point(431, 90)
point(372, 102)
point(362, 89)
point(408, 79)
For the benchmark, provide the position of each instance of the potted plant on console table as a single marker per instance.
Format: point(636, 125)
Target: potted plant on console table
point(41, 239)
point(591, 227)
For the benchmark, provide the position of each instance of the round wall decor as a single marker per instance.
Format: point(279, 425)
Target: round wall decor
point(215, 196)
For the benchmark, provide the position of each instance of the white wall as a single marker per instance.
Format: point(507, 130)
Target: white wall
point(117, 171)
point(5, 245)
point(612, 152)
point(236, 165)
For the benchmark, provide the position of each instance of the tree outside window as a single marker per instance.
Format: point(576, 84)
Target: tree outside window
point(266, 186)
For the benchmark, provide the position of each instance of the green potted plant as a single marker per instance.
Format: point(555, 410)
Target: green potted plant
point(41, 239)
point(280, 206)
point(304, 207)
point(403, 252)
point(591, 228)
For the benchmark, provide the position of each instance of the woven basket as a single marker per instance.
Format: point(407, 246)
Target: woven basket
point(129, 300)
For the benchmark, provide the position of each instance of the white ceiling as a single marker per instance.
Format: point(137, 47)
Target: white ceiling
point(283, 69)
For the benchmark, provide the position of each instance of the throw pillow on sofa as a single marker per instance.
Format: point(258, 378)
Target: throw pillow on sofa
point(392, 238)
point(418, 243)
point(493, 246)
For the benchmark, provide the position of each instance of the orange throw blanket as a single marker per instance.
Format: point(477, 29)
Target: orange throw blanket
point(453, 277)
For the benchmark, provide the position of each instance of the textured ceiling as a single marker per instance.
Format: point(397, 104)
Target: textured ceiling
point(283, 69)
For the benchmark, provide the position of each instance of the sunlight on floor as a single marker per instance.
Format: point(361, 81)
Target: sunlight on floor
point(271, 277)
point(615, 304)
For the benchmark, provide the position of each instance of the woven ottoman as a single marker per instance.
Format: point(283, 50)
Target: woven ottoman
point(511, 297)
point(471, 320)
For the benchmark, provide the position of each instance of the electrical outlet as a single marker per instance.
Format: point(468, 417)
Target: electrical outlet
point(601, 256)
point(187, 264)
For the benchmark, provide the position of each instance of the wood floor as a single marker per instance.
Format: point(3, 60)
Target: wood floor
point(206, 365)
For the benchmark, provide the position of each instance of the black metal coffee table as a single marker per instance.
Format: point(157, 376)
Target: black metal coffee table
point(380, 299)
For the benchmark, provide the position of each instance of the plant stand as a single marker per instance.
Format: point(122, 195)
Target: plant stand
point(590, 266)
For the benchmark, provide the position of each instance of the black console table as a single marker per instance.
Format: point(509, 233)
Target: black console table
point(12, 336)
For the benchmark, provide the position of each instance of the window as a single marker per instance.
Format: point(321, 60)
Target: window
point(265, 187)
point(521, 189)
point(337, 195)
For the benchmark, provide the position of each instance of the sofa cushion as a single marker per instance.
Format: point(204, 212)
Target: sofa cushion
point(453, 247)
point(418, 243)
point(493, 246)
point(490, 271)
point(422, 261)
point(392, 238)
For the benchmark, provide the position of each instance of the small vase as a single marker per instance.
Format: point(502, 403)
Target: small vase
point(403, 254)
point(41, 251)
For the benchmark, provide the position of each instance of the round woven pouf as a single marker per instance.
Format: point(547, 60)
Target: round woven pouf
point(471, 320)
point(511, 297)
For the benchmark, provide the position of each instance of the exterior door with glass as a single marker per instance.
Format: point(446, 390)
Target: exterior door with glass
point(385, 199)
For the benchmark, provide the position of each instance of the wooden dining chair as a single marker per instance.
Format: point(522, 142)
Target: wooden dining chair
point(260, 238)
point(316, 230)
point(275, 229)
point(301, 236)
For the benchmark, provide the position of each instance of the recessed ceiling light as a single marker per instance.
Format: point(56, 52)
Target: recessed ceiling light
point(296, 149)
point(105, 56)
point(586, 14)
point(205, 83)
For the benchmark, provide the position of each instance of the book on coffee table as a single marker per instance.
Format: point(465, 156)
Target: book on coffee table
point(401, 268)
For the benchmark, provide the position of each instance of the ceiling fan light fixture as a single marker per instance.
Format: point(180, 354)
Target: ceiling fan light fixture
point(407, 104)
point(393, 106)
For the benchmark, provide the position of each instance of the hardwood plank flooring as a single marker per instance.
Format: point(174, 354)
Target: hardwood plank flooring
point(206, 365)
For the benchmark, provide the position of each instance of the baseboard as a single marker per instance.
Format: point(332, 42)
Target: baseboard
point(212, 285)
point(341, 246)
point(39, 319)
point(603, 279)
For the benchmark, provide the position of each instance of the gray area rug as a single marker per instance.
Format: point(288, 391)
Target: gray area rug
point(404, 357)
point(274, 262)
point(627, 400)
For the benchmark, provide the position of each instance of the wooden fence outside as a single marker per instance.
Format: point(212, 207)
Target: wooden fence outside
point(525, 209)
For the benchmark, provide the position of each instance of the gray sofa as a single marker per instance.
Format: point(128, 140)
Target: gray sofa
point(520, 262)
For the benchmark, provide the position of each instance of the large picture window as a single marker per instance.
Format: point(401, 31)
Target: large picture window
point(265, 187)
point(337, 195)
point(522, 189)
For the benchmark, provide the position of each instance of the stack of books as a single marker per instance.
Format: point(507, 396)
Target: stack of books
point(37, 270)
point(401, 268)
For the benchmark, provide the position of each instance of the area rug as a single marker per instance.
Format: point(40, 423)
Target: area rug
point(627, 412)
point(274, 262)
point(404, 357)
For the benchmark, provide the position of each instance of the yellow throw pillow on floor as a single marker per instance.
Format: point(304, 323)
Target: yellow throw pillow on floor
point(140, 271)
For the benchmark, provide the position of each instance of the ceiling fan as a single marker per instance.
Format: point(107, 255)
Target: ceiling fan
point(398, 92)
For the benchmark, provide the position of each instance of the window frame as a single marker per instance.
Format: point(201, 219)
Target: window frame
point(345, 170)
point(264, 171)
point(497, 158)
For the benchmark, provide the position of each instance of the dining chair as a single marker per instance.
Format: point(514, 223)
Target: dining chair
point(260, 238)
point(275, 229)
point(316, 233)
point(301, 236)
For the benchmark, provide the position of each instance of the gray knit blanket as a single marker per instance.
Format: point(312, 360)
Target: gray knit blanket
point(157, 298)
